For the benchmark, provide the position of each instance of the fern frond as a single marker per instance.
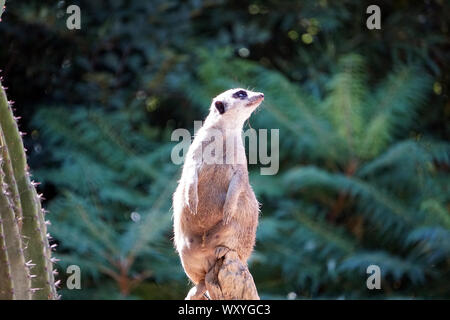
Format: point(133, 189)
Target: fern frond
point(344, 104)
point(394, 107)
point(376, 205)
point(390, 265)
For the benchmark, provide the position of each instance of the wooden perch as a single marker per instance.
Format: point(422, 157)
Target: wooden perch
point(228, 279)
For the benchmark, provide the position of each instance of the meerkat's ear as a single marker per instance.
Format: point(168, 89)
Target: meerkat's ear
point(220, 106)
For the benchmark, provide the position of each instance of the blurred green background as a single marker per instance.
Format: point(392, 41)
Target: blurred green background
point(364, 137)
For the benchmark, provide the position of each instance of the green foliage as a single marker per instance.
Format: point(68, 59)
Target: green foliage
point(116, 183)
point(363, 119)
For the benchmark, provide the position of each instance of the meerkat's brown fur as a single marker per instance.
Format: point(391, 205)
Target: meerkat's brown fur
point(215, 208)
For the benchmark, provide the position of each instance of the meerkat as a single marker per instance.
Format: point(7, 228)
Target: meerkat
point(215, 208)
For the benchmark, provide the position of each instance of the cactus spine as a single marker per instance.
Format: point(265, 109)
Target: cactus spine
point(23, 231)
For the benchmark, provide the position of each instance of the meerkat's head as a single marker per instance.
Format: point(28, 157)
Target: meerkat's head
point(234, 106)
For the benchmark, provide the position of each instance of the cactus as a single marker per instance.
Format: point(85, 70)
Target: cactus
point(26, 270)
point(2, 8)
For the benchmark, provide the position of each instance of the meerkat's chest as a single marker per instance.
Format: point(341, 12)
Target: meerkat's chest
point(213, 183)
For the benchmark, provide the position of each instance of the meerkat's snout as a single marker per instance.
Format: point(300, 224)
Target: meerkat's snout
point(255, 99)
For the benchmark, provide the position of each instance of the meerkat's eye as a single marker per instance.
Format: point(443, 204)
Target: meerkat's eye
point(220, 106)
point(241, 94)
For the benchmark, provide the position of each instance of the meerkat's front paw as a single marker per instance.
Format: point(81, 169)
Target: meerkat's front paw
point(191, 197)
point(228, 211)
point(192, 200)
point(220, 252)
point(193, 204)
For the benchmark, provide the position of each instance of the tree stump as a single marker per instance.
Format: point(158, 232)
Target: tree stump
point(230, 279)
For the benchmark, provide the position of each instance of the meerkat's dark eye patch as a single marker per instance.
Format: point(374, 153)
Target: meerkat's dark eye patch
point(220, 106)
point(241, 94)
